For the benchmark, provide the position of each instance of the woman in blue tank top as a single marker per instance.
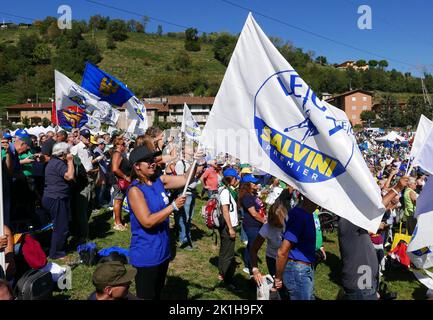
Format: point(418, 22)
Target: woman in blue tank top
point(149, 208)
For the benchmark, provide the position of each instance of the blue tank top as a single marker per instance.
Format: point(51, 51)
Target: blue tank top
point(150, 246)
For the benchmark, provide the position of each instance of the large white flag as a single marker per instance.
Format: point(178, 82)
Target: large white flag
point(424, 155)
point(189, 126)
point(424, 127)
point(421, 244)
point(266, 115)
point(136, 112)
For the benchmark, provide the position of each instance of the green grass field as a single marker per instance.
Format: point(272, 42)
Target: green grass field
point(193, 274)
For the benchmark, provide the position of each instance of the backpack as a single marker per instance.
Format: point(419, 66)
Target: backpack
point(88, 254)
point(212, 213)
point(33, 253)
point(34, 285)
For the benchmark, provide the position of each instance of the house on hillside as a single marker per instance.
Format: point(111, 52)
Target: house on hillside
point(24, 25)
point(200, 108)
point(353, 103)
point(351, 64)
point(34, 111)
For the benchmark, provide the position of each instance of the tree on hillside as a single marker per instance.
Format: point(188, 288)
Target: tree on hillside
point(360, 63)
point(43, 25)
point(41, 54)
point(73, 51)
point(383, 64)
point(372, 63)
point(277, 41)
point(53, 32)
point(415, 107)
point(322, 60)
point(389, 110)
point(139, 27)
point(111, 44)
point(182, 61)
point(117, 30)
point(98, 22)
point(26, 45)
point(192, 41)
point(223, 48)
point(159, 30)
point(368, 116)
point(130, 25)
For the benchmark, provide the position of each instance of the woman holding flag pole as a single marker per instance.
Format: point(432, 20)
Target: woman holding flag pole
point(150, 208)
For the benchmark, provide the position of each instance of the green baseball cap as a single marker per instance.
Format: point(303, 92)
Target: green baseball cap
point(112, 273)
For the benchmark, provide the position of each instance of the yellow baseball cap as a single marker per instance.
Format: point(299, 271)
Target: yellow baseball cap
point(93, 140)
point(246, 170)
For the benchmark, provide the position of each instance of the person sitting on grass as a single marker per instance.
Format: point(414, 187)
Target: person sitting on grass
point(112, 280)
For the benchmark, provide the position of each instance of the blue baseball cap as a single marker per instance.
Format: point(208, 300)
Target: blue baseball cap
point(7, 135)
point(21, 133)
point(249, 178)
point(230, 172)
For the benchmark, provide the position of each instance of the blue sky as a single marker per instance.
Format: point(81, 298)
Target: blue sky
point(401, 30)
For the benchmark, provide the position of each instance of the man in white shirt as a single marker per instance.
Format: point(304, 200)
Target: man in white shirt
point(84, 192)
point(226, 260)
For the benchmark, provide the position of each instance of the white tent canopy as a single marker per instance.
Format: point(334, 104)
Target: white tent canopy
point(392, 136)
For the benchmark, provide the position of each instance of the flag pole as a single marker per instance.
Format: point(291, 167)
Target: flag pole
point(189, 177)
point(2, 254)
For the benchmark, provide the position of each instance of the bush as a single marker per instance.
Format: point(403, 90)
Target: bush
point(111, 45)
point(182, 61)
point(192, 41)
point(223, 48)
point(117, 30)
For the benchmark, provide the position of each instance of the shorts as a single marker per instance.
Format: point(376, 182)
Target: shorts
point(118, 194)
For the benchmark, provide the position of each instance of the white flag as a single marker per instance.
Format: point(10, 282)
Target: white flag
point(93, 124)
point(136, 112)
point(422, 131)
point(421, 244)
point(189, 126)
point(76, 107)
point(68, 93)
point(266, 115)
point(106, 114)
point(424, 156)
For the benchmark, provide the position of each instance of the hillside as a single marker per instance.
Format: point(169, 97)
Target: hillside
point(141, 61)
point(153, 65)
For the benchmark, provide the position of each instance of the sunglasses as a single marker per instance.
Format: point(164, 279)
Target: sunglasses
point(149, 161)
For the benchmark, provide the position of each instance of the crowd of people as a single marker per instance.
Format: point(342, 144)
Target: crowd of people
point(61, 177)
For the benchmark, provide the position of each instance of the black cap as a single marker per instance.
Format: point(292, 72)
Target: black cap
point(85, 133)
point(140, 153)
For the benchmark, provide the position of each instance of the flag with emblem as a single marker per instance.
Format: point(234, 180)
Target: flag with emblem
point(266, 115)
point(73, 103)
point(112, 90)
point(189, 126)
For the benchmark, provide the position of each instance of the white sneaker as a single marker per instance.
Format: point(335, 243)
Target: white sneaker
point(246, 270)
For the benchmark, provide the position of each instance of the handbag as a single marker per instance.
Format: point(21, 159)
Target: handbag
point(400, 237)
point(123, 184)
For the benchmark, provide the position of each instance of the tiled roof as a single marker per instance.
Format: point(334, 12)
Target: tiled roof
point(190, 100)
point(349, 93)
point(31, 106)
